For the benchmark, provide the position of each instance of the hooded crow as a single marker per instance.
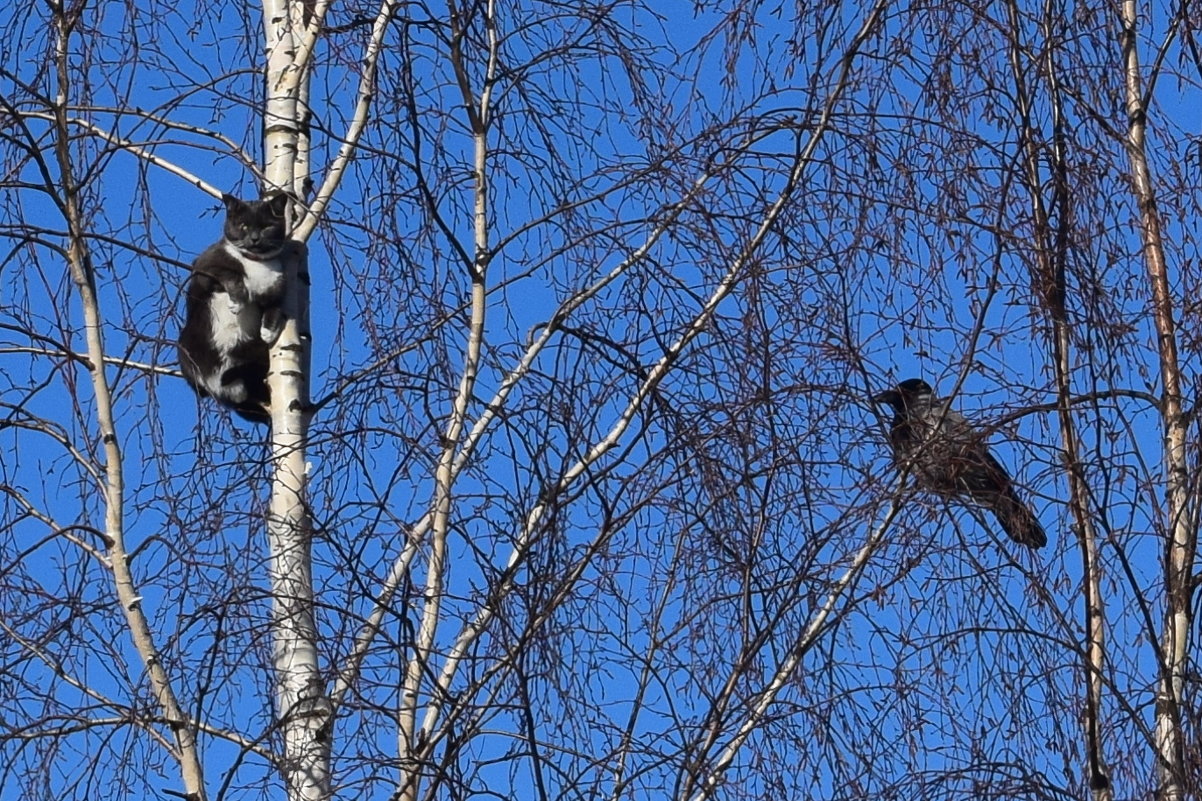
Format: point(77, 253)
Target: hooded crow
point(947, 456)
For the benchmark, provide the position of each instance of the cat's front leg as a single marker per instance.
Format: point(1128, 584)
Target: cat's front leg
point(235, 287)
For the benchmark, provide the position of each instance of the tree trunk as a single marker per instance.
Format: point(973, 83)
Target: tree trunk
point(117, 556)
point(1179, 535)
point(302, 703)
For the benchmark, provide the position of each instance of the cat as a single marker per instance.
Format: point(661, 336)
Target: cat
point(234, 308)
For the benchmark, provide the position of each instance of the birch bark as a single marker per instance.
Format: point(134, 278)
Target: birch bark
point(302, 702)
point(1180, 539)
point(112, 473)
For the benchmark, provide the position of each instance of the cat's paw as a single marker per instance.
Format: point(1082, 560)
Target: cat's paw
point(272, 325)
point(238, 292)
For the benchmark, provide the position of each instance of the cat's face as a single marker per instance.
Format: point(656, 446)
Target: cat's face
point(256, 227)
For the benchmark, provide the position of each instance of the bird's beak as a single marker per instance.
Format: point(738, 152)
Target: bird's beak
point(890, 397)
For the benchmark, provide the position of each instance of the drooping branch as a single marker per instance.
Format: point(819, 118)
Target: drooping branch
point(1049, 279)
point(654, 376)
point(492, 409)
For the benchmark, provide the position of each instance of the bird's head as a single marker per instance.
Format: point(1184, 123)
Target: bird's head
point(905, 394)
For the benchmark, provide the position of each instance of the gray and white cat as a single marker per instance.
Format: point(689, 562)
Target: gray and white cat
point(234, 308)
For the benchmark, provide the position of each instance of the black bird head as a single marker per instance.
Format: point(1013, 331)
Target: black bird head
point(907, 391)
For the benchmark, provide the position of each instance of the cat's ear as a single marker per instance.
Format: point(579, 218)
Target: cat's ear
point(278, 203)
point(230, 202)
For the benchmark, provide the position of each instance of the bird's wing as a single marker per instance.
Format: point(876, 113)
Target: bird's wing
point(976, 469)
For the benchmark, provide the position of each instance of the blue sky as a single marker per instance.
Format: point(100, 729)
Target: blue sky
point(755, 472)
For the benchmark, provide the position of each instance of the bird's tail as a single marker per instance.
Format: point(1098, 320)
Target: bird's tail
point(1017, 519)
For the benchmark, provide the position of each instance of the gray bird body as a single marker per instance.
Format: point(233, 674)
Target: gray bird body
point(949, 457)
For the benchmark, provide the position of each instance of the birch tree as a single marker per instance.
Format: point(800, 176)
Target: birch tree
point(573, 488)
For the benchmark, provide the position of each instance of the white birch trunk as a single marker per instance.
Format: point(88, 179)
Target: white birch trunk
point(411, 742)
point(302, 703)
point(79, 263)
point(1180, 539)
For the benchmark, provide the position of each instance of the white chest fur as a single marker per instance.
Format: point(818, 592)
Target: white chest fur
point(262, 277)
point(232, 322)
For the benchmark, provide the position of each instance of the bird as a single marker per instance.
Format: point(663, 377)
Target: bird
point(948, 457)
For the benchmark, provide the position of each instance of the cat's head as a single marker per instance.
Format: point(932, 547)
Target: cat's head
point(256, 227)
